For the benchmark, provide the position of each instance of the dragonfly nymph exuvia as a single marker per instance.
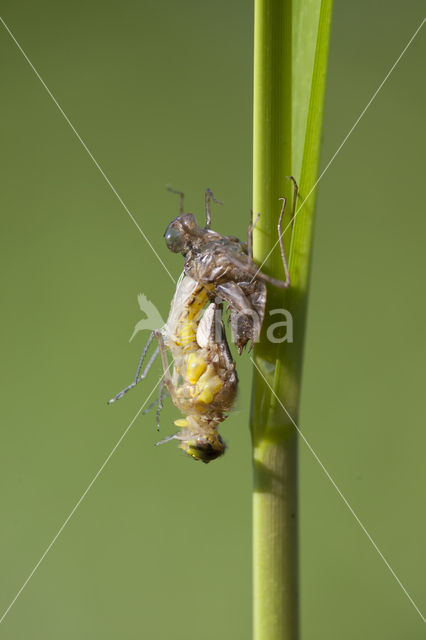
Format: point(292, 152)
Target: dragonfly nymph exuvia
point(219, 270)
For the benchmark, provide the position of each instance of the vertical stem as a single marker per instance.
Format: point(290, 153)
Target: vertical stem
point(275, 444)
point(276, 148)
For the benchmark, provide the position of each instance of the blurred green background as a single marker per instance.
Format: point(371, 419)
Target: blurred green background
point(161, 547)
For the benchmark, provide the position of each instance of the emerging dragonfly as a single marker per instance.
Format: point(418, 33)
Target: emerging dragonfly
point(225, 264)
point(203, 385)
point(204, 381)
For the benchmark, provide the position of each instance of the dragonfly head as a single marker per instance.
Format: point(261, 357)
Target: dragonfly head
point(204, 447)
point(182, 232)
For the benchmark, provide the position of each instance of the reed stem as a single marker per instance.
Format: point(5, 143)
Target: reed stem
point(289, 84)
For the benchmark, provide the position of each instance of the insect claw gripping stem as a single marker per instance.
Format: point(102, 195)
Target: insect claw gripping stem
point(295, 195)
point(250, 235)
point(286, 282)
point(281, 233)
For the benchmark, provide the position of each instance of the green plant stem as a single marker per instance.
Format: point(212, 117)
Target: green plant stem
point(288, 82)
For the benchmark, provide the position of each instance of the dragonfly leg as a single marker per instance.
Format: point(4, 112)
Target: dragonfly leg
point(181, 197)
point(209, 196)
point(250, 235)
point(259, 275)
point(160, 404)
point(286, 282)
point(138, 375)
point(166, 367)
point(295, 194)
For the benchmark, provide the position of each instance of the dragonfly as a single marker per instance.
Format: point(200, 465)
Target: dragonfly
point(225, 265)
point(204, 382)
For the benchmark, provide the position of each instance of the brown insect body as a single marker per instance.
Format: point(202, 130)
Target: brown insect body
point(204, 381)
point(222, 262)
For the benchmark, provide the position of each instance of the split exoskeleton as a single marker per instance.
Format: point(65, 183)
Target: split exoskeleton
point(226, 264)
point(203, 383)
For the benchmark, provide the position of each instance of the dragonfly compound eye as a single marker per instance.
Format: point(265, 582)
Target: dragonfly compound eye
point(175, 238)
point(204, 449)
point(181, 233)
